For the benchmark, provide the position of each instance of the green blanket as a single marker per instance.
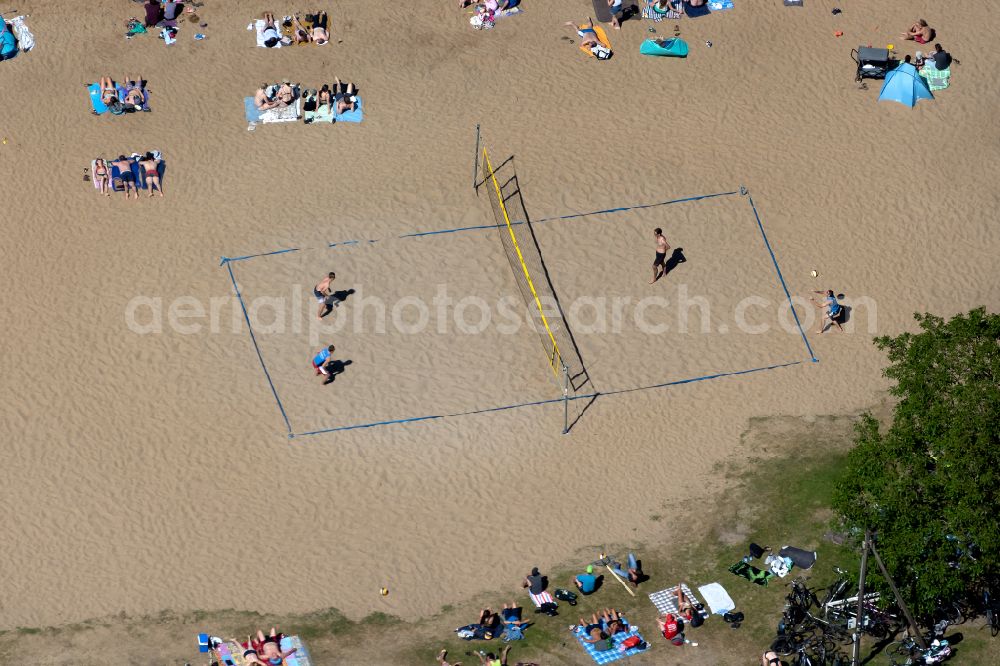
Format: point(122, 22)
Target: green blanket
point(751, 573)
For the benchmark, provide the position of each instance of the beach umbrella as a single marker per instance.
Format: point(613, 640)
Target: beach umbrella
point(904, 85)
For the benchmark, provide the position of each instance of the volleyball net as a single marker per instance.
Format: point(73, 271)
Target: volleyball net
point(525, 257)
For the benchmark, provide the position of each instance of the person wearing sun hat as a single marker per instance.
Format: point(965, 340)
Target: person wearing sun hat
point(586, 582)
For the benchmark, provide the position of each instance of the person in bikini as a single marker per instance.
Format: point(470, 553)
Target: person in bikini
point(102, 177)
point(108, 91)
point(285, 94)
point(324, 295)
point(300, 35)
point(133, 91)
point(920, 32)
point(324, 97)
point(128, 178)
point(659, 264)
point(770, 659)
point(148, 165)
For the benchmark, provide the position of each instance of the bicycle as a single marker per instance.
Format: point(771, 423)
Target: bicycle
point(912, 655)
point(992, 616)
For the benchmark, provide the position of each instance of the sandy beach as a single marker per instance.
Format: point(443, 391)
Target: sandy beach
point(147, 464)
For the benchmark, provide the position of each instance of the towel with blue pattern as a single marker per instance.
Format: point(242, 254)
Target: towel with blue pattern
point(616, 652)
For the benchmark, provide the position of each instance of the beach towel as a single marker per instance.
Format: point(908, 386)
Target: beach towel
point(793, 3)
point(666, 600)
point(717, 598)
point(649, 13)
point(542, 598)
point(602, 11)
point(301, 656)
point(99, 107)
point(720, 5)
point(937, 79)
point(168, 36)
point(602, 37)
point(616, 652)
point(503, 13)
point(751, 573)
point(258, 27)
point(354, 116)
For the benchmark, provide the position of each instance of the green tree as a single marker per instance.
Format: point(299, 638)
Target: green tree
point(929, 485)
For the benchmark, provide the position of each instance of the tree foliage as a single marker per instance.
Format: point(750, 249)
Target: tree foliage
point(929, 486)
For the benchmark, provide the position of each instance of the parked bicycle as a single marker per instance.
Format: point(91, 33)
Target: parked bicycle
point(908, 653)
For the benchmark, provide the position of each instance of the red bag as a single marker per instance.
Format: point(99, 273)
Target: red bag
point(631, 642)
point(669, 627)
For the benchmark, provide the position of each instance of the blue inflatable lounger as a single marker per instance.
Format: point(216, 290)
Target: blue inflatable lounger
point(673, 47)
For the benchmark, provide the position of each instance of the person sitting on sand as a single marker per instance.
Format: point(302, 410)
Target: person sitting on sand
point(154, 13)
point(299, 33)
point(285, 94)
point(942, 59)
point(102, 177)
point(920, 32)
point(128, 178)
point(320, 33)
point(148, 167)
point(269, 648)
point(586, 582)
point(261, 99)
point(834, 310)
point(344, 96)
point(270, 31)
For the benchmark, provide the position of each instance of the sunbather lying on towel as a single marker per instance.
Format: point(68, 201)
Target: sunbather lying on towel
point(270, 32)
point(320, 33)
point(593, 630)
point(124, 165)
point(268, 648)
point(134, 93)
point(586, 33)
point(612, 622)
point(299, 33)
point(102, 177)
point(148, 168)
point(109, 93)
point(345, 97)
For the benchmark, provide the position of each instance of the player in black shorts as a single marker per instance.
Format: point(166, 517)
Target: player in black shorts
point(660, 263)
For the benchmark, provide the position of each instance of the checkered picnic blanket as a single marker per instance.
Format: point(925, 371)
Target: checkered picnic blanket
point(615, 653)
point(666, 600)
point(937, 79)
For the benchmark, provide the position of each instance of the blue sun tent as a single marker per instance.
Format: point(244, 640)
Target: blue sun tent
point(904, 85)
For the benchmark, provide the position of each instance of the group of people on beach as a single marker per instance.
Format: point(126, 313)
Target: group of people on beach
point(149, 165)
point(339, 96)
point(291, 30)
point(159, 12)
point(263, 649)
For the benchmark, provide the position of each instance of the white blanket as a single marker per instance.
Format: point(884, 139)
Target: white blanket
point(288, 114)
point(258, 27)
point(717, 598)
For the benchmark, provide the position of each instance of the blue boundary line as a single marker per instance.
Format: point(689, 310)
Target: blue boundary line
point(228, 261)
point(791, 305)
point(481, 227)
point(550, 401)
point(260, 357)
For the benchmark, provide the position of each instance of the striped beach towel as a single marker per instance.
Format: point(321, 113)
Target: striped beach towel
point(543, 598)
point(666, 600)
point(650, 13)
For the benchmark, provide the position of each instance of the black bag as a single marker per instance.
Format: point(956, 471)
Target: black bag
point(549, 608)
point(567, 596)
